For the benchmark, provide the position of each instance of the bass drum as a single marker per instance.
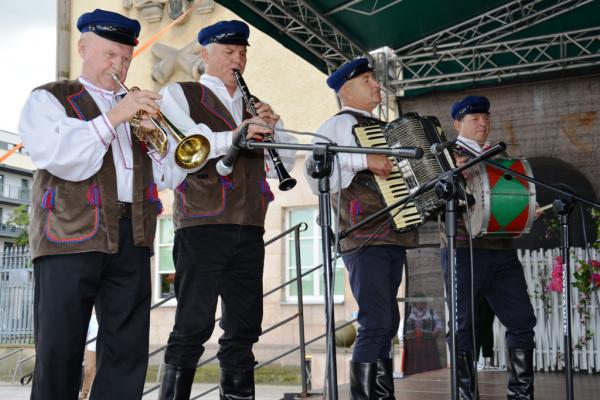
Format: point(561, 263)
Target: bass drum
point(504, 204)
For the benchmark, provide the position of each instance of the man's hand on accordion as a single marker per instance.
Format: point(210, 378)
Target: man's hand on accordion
point(379, 164)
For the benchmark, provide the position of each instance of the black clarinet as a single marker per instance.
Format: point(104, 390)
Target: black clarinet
point(286, 182)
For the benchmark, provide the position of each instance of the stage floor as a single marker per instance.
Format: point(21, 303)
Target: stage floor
point(492, 385)
point(433, 385)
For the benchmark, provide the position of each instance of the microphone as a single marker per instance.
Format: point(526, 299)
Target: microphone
point(225, 165)
point(407, 152)
point(438, 148)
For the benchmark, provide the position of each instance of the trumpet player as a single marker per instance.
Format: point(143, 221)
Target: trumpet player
point(93, 217)
point(218, 247)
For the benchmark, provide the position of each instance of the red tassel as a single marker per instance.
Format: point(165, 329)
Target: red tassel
point(93, 195)
point(355, 208)
point(152, 196)
point(226, 182)
point(48, 199)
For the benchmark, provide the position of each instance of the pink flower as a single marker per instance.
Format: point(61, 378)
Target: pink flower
point(595, 264)
point(557, 273)
point(555, 286)
point(556, 283)
point(595, 280)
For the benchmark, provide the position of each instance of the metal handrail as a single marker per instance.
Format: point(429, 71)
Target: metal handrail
point(11, 353)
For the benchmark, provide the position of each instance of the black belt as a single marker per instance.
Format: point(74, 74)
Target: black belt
point(124, 210)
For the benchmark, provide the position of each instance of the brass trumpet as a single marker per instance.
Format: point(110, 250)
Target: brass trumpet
point(191, 151)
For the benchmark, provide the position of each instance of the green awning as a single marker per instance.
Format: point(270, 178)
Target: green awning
point(437, 44)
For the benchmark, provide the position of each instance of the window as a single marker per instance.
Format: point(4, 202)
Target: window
point(313, 288)
point(164, 258)
point(24, 195)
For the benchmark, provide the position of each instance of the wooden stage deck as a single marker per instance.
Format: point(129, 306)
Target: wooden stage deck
point(435, 385)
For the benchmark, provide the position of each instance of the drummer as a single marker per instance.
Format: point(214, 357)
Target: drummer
point(497, 276)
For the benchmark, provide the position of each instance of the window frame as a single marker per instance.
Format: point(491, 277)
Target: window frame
point(317, 298)
point(157, 271)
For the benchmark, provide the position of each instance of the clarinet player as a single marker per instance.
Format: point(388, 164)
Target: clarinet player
point(219, 248)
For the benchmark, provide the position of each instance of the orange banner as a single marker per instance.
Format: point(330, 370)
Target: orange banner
point(10, 152)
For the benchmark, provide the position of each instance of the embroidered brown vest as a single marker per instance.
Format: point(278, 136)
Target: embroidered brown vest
point(74, 217)
point(360, 201)
point(205, 197)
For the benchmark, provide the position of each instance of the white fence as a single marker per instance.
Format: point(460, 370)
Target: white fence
point(547, 305)
point(16, 297)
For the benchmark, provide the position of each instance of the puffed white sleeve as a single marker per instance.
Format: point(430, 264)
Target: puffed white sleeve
point(69, 148)
point(339, 130)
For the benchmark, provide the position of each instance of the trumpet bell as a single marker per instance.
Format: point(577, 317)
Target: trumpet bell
point(192, 152)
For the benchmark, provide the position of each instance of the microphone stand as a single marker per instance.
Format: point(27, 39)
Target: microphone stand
point(322, 169)
point(563, 205)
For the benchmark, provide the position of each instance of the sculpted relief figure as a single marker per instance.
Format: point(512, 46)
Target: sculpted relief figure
point(187, 59)
point(149, 10)
point(152, 10)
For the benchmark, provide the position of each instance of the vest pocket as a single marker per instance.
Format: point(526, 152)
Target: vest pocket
point(72, 215)
point(212, 201)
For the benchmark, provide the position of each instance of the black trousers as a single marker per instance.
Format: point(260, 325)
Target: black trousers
point(375, 276)
point(66, 289)
point(498, 277)
point(484, 336)
point(213, 261)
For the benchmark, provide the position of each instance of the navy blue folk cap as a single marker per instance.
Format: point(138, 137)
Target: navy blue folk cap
point(347, 71)
point(111, 26)
point(470, 105)
point(225, 32)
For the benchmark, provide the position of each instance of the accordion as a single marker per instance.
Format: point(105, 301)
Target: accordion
point(409, 175)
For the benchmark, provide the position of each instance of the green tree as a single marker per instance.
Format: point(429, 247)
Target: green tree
point(19, 218)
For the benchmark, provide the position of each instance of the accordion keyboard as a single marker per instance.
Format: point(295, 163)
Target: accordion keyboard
point(392, 188)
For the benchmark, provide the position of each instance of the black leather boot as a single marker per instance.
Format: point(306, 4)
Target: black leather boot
point(466, 377)
point(519, 366)
point(362, 380)
point(384, 380)
point(236, 385)
point(176, 383)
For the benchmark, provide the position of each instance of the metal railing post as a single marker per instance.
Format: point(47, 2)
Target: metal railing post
point(17, 368)
point(300, 312)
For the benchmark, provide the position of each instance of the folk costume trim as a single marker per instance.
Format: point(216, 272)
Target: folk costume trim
point(71, 99)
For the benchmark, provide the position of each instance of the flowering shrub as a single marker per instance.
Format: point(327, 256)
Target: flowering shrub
point(586, 279)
